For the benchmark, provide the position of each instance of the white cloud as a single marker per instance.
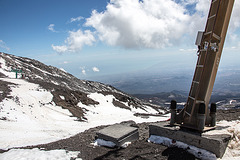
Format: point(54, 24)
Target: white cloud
point(145, 24)
point(234, 23)
point(3, 45)
point(51, 28)
point(76, 19)
point(76, 41)
point(235, 18)
point(83, 70)
point(95, 69)
point(60, 49)
point(140, 24)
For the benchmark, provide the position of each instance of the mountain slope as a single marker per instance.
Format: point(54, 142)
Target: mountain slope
point(62, 83)
point(50, 104)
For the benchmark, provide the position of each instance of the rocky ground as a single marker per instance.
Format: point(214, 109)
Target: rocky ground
point(138, 150)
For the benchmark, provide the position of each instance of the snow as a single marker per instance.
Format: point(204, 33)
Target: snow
point(101, 142)
point(105, 111)
point(147, 109)
point(110, 144)
point(31, 118)
point(62, 97)
point(197, 152)
point(232, 128)
point(63, 70)
point(45, 72)
point(37, 154)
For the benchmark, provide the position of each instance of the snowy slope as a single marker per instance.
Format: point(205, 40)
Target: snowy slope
point(31, 117)
point(37, 72)
point(40, 113)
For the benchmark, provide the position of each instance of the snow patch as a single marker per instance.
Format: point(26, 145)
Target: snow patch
point(31, 118)
point(63, 70)
point(197, 152)
point(62, 97)
point(101, 142)
point(232, 128)
point(37, 154)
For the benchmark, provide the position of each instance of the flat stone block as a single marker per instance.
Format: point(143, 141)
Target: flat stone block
point(216, 144)
point(118, 134)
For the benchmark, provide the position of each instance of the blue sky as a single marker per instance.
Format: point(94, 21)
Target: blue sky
point(101, 37)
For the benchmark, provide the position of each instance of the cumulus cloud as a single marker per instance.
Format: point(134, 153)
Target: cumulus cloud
point(140, 24)
point(76, 19)
point(95, 69)
point(76, 41)
point(144, 24)
point(3, 45)
point(51, 28)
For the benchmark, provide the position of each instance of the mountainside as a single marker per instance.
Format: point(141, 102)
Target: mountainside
point(46, 113)
point(44, 99)
point(63, 84)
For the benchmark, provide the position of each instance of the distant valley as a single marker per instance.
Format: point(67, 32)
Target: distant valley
point(160, 88)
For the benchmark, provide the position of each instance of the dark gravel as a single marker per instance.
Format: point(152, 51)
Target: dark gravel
point(138, 150)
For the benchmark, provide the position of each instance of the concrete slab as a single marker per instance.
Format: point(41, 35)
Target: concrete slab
point(118, 134)
point(216, 144)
